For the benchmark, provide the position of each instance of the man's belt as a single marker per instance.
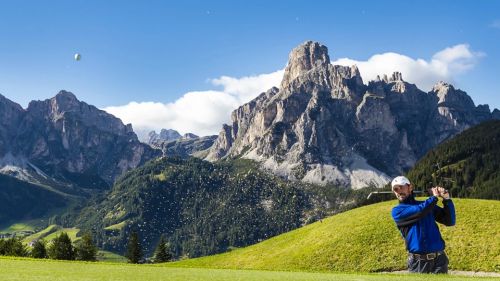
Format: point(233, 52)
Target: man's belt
point(428, 256)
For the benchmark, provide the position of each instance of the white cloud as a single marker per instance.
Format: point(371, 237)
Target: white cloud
point(445, 65)
point(201, 112)
point(247, 88)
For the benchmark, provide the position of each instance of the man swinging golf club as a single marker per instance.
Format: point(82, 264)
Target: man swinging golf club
point(416, 220)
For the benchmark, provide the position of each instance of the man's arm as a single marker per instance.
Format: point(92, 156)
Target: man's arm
point(406, 215)
point(445, 215)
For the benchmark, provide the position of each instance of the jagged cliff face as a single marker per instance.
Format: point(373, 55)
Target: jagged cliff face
point(172, 144)
point(164, 135)
point(10, 114)
point(69, 140)
point(325, 125)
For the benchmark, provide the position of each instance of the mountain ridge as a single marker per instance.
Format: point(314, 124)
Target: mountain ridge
point(325, 125)
point(69, 140)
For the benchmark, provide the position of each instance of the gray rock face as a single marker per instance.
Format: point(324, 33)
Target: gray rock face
point(171, 143)
point(73, 141)
point(188, 146)
point(188, 136)
point(10, 117)
point(496, 114)
point(325, 125)
point(165, 135)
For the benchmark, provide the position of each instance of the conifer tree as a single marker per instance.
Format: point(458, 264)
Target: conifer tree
point(61, 248)
point(2, 247)
point(13, 247)
point(162, 252)
point(86, 250)
point(39, 250)
point(134, 250)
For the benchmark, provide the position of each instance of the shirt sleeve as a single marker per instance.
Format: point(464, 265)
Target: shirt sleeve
point(445, 215)
point(408, 214)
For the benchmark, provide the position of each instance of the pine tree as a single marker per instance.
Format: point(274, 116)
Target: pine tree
point(39, 250)
point(86, 250)
point(13, 247)
point(2, 247)
point(162, 253)
point(134, 250)
point(61, 248)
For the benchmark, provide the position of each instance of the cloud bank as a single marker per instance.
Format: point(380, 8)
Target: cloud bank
point(445, 65)
point(204, 112)
point(198, 112)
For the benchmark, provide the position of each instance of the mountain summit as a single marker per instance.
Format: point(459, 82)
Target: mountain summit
point(325, 125)
point(68, 140)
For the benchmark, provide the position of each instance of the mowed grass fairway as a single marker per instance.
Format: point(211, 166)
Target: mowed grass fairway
point(367, 240)
point(49, 270)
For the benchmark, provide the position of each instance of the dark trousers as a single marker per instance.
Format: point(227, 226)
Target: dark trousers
point(436, 265)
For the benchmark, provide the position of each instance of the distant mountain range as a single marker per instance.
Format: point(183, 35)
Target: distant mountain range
point(325, 125)
point(171, 143)
point(60, 151)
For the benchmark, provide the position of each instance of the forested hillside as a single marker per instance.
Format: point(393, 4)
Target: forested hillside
point(204, 208)
point(468, 165)
point(22, 200)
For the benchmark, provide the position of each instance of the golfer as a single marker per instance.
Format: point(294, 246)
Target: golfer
point(416, 220)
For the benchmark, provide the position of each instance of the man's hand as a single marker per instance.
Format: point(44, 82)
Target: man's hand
point(443, 193)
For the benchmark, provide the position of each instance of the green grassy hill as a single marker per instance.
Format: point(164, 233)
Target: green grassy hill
point(366, 239)
point(51, 232)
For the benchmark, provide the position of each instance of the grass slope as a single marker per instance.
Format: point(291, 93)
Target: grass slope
point(366, 239)
point(17, 227)
point(51, 231)
point(49, 270)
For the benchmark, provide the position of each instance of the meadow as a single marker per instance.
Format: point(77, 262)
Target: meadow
point(366, 240)
point(23, 269)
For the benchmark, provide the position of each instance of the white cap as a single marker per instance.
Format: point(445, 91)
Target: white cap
point(400, 181)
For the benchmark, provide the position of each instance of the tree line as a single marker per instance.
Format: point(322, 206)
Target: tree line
point(61, 248)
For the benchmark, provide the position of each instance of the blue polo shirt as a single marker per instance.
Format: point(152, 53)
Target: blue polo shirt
point(416, 220)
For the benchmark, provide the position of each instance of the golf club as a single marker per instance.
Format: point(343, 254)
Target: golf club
point(388, 192)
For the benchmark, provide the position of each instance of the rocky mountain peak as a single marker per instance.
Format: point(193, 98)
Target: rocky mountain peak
point(495, 114)
point(442, 87)
point(65, 137)
point(6, 103)
point(165, 135)
point(396, 76)
point(64, 101)
point(188, 136)
point(450, 97)
point(10, 116)
point(325, 125)
point(303, 58)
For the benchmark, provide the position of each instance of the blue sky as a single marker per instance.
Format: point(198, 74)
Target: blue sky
point(166, 56)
